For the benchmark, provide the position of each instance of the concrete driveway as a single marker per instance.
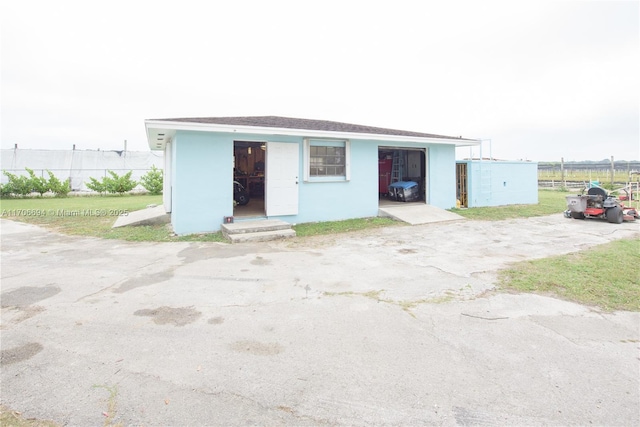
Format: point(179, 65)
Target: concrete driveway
point(396, 326)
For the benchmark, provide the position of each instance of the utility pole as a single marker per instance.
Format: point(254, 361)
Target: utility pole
point(564, 182)
point(613, 170)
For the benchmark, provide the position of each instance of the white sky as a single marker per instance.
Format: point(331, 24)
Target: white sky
point(540, 79)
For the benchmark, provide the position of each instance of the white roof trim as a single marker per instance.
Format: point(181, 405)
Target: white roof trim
point(156, 127)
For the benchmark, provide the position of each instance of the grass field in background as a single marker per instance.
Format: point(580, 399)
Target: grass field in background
point(600, 175)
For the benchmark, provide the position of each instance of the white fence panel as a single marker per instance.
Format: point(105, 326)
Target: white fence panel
point(79, 165)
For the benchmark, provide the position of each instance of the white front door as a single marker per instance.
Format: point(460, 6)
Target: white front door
point(281, 176)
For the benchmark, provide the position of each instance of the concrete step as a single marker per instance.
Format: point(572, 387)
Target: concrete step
point(261, 236)
point(417, 213)
point(257, 230)
point(255, 226)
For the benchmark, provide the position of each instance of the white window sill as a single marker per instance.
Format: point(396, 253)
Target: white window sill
point(326, 179)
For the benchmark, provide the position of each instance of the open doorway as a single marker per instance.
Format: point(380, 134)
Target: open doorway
point(248, 178)
point(462, 194)
point(405, 165)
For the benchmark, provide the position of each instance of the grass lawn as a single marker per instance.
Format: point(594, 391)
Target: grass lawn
point(93, 216)
point(607, 276)
point(549, 202)
point(334, 227)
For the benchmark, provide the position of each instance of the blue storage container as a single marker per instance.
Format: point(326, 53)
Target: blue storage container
point(404, 191)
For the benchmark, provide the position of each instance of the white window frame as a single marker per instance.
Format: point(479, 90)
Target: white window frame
point(308, 142)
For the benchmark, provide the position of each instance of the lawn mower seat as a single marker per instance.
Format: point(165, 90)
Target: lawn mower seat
point(597, 191)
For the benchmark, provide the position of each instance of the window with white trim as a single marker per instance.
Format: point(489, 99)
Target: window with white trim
point(326, 160)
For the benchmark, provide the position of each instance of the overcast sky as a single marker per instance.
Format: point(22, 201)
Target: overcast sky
point(539, 79)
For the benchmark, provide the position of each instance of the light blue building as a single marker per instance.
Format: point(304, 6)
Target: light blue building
point(295, 170)
point(496, 183)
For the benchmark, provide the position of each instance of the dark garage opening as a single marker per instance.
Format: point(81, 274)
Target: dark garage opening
point(401, 164)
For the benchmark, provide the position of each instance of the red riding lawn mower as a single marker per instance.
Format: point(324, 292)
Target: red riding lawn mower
point(598, 204)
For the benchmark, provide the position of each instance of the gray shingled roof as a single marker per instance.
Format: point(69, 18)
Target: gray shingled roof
point(304, 124)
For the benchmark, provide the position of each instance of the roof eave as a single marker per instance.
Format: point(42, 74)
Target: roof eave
point(169, 128)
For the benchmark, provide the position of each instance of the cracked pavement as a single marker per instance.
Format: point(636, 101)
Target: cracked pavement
point(392, 326)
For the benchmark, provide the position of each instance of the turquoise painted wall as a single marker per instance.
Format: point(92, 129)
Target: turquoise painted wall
point(501, 183)
point(203, 171)
point(356, 198)
point(202, 189)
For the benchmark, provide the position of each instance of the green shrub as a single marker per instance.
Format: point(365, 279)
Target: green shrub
point(57, 187)
point(39, 184)
point(18, 185)
point(119, 184)
point(97, 186)
point(113, 183)
point(152, 181)
point(5, 190)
